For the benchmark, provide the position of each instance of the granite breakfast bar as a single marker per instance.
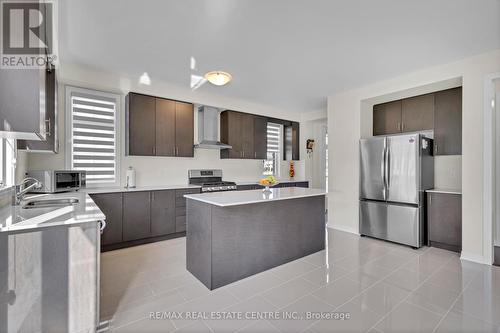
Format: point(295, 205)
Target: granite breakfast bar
point(232, 235)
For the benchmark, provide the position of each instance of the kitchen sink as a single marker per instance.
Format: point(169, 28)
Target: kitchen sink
point(46, 203)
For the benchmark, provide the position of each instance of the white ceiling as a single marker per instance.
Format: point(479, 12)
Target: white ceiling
point(289, 54)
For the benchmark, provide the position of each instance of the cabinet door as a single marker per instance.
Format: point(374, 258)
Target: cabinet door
point(448, 122)
point(418, 113)
point(247, 134)
point(141, 125)
point(165, 127)
point(22, 103)
point(231, 134)
point(111, 205)
point(51, 143)
point(295, 141)
point(184, 129)
point(260, 137)
point(387, 118)
point(445, 220)
point(136, 215)
point(162, 213)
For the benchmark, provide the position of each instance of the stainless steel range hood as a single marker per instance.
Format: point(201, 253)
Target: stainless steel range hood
point(208, 128)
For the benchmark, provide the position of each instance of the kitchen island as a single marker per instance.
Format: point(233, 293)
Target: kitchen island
point(232, 235)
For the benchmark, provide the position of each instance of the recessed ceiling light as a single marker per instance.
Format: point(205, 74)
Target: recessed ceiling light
point(218, 78)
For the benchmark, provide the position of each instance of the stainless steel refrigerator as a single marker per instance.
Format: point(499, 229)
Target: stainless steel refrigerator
point(394, 173)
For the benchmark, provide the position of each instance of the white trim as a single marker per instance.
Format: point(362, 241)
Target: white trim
point(474, 258)
point(69, 89)
point(488, 170)
point(343, 228)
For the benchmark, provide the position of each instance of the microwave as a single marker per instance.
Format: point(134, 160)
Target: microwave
point(55, 181)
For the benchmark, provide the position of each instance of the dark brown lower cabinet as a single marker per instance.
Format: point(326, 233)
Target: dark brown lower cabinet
point(111, 205)
point(180, 208)
point(496, 255)
point(162, 212)
point(136, 215)
point(444, 220)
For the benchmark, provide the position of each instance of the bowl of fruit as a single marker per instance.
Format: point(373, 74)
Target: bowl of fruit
point(268, 182)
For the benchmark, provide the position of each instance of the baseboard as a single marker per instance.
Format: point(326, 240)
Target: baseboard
point(474, 258)
point(343, 228)
point(122, 245)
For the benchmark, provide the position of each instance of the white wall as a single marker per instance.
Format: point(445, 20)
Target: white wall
point(160, 170)
point(314, 163)
point(345, 129)
point(496, 194)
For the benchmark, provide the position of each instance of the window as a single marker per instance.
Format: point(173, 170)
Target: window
point(7, 162)
point(92, 135)
point(274, 149)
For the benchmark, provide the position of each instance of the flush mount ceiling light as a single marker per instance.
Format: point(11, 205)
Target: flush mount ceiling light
point(145, 79)
point(218, 78)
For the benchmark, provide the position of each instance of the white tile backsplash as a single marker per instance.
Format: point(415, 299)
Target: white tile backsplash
point(448, 172)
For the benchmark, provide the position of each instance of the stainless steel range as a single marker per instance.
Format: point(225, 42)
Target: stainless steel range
point(210, 180)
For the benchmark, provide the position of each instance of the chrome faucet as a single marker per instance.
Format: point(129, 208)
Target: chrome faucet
point(21, 189)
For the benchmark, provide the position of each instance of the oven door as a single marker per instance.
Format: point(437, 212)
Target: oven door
point(67, 181)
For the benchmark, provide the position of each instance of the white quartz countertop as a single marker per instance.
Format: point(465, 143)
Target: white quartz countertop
point(138, 188)
point(16, 218)
point(445, 190)
point(282, 180)
point(235, 198)
point(174, 186)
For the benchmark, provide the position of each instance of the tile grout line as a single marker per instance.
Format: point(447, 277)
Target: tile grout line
point(391, 250)
point(404, 299)
point(453, 304)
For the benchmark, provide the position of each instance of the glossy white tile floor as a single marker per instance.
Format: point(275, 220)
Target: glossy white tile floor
point(384, 287)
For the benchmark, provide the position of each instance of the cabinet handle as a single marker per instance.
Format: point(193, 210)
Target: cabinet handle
point(103, 225)
point(254, 154)
point(176, 151)
point(153, 196)
point(154, 150)
point(47, 127)
point(436, 148)
point(402, 126)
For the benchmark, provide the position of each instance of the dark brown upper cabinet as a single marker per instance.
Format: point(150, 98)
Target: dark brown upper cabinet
point(417, 113)
point(246, 133)
point(51, 142)
point(247, 136)
point(448, 122)
point(184, 129)
point(440, 111)
point(141, 110)
point(260, 137)
point(231, 124)
point(159, 127)
point(387, 118)
point(165, 127)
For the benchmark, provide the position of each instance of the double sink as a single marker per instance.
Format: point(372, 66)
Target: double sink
point(49, 203)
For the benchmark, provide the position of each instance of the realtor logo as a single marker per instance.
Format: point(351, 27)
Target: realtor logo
point(27, 34)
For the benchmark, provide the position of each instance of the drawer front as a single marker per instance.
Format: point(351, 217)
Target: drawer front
point(396, 223)
point(180, 201)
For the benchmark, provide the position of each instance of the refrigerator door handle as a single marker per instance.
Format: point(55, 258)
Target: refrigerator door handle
point(387, 163)
point(383, 168)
